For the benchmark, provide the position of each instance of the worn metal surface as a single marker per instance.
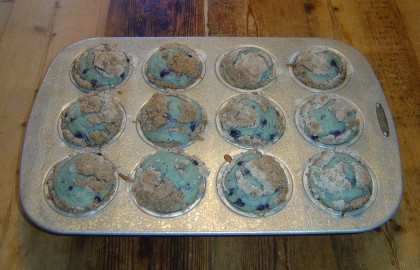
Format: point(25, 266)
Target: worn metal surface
point(43, 146)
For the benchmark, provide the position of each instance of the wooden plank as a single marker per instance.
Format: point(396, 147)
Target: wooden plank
point(269, 18)
point(34, 34)
point(135, 18)
point(5, 8)
point(250, 252)
point(410, 14)
point(182, 252)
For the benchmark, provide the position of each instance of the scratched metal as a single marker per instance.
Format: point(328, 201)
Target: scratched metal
point(43, 146)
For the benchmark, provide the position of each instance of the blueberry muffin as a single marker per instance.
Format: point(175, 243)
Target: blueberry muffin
point(247, 68)
point(171, 120)
point(250, 121)
point(320, 68)
point(174, 66)
point(169, 183)
point(329, 120)
point(254, 184)
point(82, 184)
point(101, 68)
point(339, 181)
point(91, 121)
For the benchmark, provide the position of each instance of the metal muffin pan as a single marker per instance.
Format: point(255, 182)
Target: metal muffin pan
point(43, 146)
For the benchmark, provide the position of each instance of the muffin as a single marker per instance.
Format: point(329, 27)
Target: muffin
point(329, 120)
point(250, 121)
point(82, 184)
point(320, 68)
point(174, 66)
point(101, 68)
point(339, 182)
point(254, 184)
point(246, 68)
point(91, 121)
point(169, 183)
point(171, 120)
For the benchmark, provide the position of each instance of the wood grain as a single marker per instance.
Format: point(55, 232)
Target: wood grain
point(32, 33)
point(140, 18)
point(5, 9)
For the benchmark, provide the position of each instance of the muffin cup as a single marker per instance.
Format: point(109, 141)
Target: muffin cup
point(312, 196)
point(300, 123)
point(252, 142)
point(77, 213)
point(87, 86)
point(267, 56)
point(161, 88)
point(138, 172)
point(110, 140)
point(195, 134)
point(346, 63)
point(225, 169)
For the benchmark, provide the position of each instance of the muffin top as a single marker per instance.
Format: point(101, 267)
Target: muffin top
point(174, 66)
point(250, 121)
point(82, 184)
point(254, 184)
point(101, 68)
point(171, 120)
point(91, 121)
point(247, 68)
point(320, 68)
point(329, 120)
point(339, 181)
point(169, 183)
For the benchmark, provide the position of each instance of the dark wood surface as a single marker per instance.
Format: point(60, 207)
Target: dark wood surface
point(32, 33)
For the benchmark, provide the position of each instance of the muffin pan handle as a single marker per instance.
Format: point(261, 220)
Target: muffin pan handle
point(382, 120)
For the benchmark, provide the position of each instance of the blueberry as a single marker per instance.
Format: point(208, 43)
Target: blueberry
point(264, 122)
point(164, 73)
point(272, 136)
point(78, 135)
point(239, 202)
point(231, 191)
point(246, 171)
point(82, 136)
point(335, 133)
point(333, 63)
point(235, 133)
point(240, 162)
point(314, 137)
point(94, 82)
point(186, 187)
point(262, 207)
point(195, 162)
point(70, 187)
point(193, 126)
point(98, 199)
point(122, 76)
point(85, 71)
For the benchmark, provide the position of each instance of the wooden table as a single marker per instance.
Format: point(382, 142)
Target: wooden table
point(32, 33)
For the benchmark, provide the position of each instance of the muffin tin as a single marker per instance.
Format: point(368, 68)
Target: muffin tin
point(377, 145)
